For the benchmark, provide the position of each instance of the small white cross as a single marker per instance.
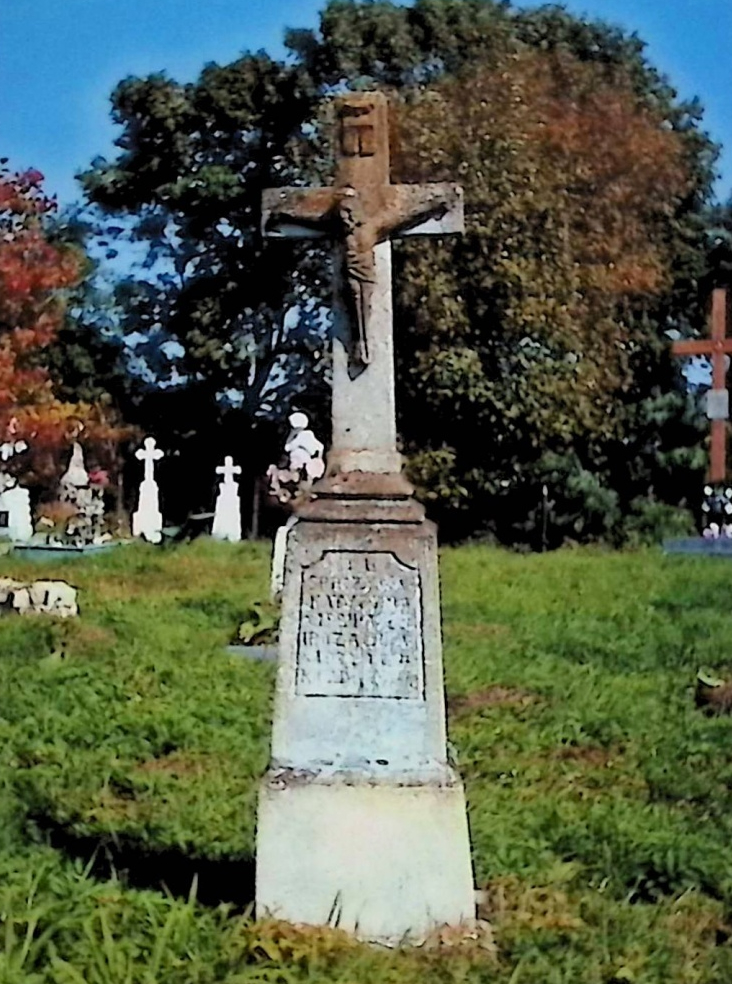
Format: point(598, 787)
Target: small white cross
point(149, 455)
point(228, 470)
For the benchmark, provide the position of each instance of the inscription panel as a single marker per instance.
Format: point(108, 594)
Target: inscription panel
point(360, 628)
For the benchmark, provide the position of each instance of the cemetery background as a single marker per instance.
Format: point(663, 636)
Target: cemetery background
point(599, 794)
point(542, 397)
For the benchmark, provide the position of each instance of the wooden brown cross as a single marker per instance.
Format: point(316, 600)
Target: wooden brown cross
point(360, 214)
point(716, 349)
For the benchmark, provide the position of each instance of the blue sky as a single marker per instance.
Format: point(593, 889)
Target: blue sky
point(60, 59)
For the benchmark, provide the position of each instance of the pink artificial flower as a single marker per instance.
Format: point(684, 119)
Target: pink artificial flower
point(100, 477)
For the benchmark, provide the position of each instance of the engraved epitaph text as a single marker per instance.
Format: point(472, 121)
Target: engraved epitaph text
point(360, 628)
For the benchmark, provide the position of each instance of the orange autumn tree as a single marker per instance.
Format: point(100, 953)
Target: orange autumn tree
point(35, 275)
point(539, 325)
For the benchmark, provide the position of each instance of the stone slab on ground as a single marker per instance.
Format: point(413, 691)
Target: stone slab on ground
point(699, 546)
point(61, 551)
point(264, 654)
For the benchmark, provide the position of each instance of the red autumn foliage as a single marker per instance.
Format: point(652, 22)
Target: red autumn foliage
point(35, 274)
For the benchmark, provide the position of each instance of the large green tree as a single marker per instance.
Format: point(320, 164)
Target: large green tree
point(530, 352)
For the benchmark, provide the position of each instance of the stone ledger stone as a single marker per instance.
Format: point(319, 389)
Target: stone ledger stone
point(362, 821)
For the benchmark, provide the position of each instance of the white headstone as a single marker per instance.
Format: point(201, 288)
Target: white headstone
point(147, 521)
point(15, 514)
point(227, 512)
point(279, 552)
point(16, 521)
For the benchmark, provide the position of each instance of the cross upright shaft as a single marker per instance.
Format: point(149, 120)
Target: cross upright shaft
point(361, 213)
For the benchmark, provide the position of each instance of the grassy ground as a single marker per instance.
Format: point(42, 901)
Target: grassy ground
point(600, 797)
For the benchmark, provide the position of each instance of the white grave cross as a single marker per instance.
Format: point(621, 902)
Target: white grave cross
point(228, 470)
point(227, 512)
point(147, 521)
point(149, 454)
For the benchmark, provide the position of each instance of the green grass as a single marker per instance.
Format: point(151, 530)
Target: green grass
point(600, 798)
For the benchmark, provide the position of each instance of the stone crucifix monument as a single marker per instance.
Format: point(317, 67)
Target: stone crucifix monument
point(362, 820)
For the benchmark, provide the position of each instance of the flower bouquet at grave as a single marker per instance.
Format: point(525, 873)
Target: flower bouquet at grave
point(717, 512)
point(77, 517)
point(52, 520)
point(302, 464)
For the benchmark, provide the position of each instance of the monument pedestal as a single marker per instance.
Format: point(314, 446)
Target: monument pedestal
point(386, 861)
point(362, 823)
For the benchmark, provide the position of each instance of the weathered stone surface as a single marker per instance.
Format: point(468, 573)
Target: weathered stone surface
point(387, 861)
point(279, 552)
point(46, 597)
point(360, 681)
point(360, 629)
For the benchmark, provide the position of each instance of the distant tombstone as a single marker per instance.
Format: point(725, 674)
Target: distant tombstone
point(86, 526)
point(16, 522)
point(227, 512)
point(38, 597)
point(147, 521)
point(279, 552)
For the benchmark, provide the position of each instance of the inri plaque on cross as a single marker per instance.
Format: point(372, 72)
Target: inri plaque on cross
point(361, 213)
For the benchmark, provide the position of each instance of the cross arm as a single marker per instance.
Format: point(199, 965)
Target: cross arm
point(297, 212)
point(701, 346)
point(419, 210)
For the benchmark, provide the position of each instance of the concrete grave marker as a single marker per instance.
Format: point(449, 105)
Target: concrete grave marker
point(87, 525)
point(147, 521)
point(362, 820)
point(16, 521)
point(227, 511)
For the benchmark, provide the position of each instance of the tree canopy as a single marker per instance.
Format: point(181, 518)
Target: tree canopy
point(36, 276)
point(529, 352)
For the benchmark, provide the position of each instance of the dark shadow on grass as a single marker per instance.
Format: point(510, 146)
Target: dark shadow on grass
point(169, 870)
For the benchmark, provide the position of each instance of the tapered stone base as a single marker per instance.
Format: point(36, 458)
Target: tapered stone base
point(362, 823)
point(386, 861)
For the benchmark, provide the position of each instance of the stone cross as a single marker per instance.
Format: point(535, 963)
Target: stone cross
point(227, 510)
point(149, 454)
point(361, 213)
point(717, 348)
point(228, 470)
point(361, 819)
